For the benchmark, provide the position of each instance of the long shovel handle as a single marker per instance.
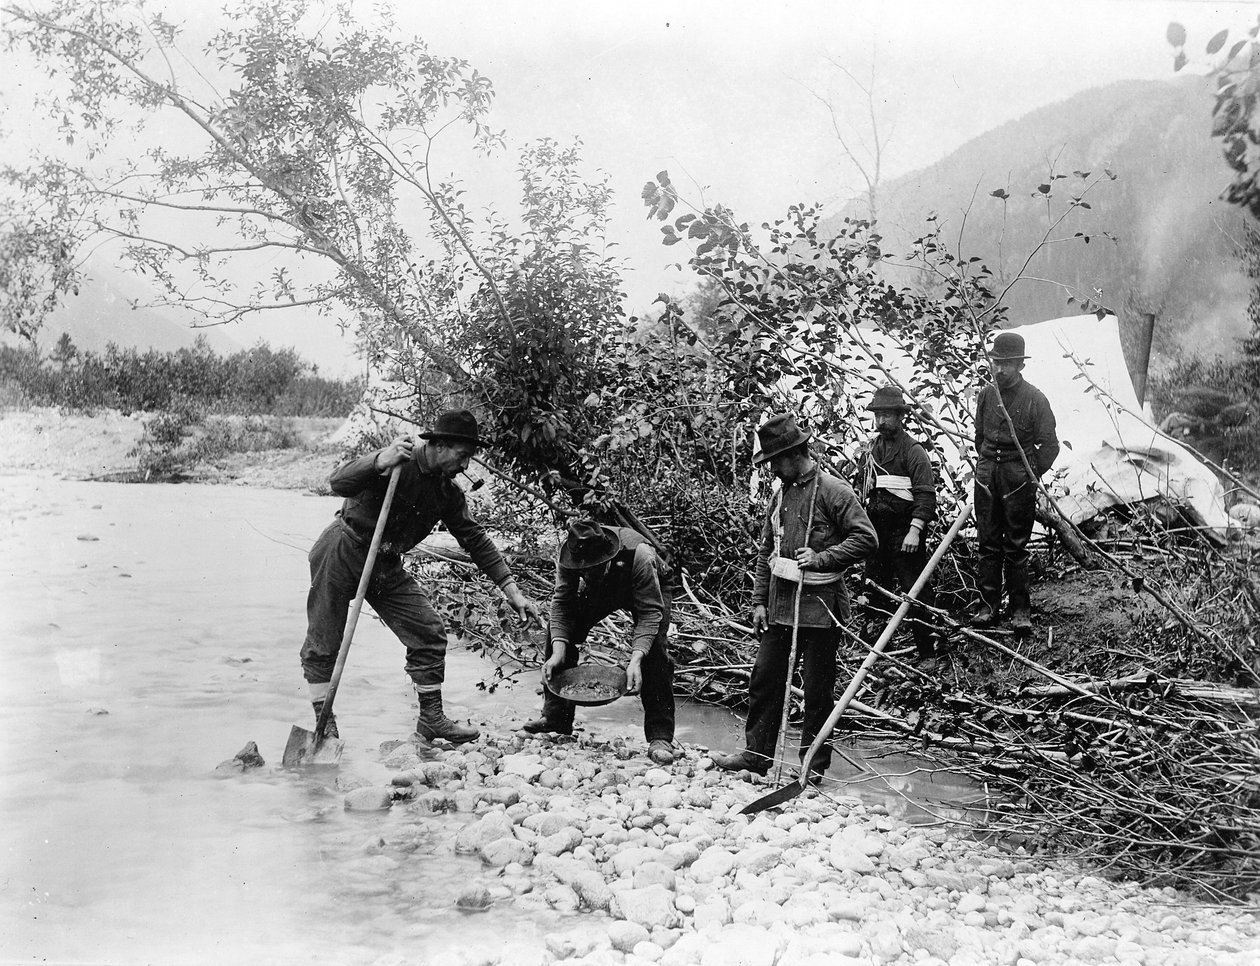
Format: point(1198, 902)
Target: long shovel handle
point(357, 606)
point(825, 731)
point(781, 745)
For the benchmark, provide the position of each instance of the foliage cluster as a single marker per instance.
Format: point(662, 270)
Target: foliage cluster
point(257, 380)
point(186, 436)
point(1234, 443)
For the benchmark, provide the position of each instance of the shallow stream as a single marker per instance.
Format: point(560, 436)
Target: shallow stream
point(149, 632)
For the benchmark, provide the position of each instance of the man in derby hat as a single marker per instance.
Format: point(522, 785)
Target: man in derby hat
point(1014, 424)
point(815, 528)
point(897, 487)
point(426, 494)
point(601, 569)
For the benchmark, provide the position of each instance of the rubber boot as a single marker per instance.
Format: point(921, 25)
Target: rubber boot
point(433, 723)
point(331, 730)
point(1021, 605)
point(556, 718)
point(990, 580)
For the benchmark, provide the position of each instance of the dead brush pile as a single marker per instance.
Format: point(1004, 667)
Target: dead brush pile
point(1125, 731)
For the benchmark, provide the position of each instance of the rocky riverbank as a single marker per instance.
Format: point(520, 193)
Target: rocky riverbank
point(658, 867)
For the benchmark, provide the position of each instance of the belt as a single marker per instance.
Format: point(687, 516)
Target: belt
point(361, 540)
point(1010, 455)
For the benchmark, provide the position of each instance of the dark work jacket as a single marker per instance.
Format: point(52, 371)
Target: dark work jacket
point(1034, 426)
point(841, 534)
point(634, 581)
point(900, 456)
point(421, 500)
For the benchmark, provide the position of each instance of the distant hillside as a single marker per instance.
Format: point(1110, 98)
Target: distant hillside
point(101, 313)
point(1175, 250)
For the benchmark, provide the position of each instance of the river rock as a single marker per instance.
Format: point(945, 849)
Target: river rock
point(759, 859)
point(475, 899)
point(502, 851)
point(249, 756)
point(846, 858)
point(550, 822)
point(650, 951)
point(630, 856)
point(667, 796)
point(741, 945)
point(680, 855)
point(650, 907)
point(713, 912)
point(563, 841)
point(653, 873)
point(529, 767)
point(562, 898)
point(373, 799)
point(625, 935)
point(714, 863)
point(937, 941)
point(593, 891)
point(489, 828)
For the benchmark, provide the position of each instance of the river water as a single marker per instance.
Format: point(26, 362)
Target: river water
point(148, 633)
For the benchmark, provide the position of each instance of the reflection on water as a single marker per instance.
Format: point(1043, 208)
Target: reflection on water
point(149, 633)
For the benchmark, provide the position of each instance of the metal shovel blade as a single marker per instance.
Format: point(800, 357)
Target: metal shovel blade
point(776, 797)
point(301, 749)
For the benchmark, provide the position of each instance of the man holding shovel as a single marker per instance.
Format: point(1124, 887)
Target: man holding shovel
point(602, 569)
point(898, 490)
point(425, 494)
point(815, 529)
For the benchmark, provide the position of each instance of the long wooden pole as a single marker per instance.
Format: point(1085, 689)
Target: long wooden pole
point(825, 731)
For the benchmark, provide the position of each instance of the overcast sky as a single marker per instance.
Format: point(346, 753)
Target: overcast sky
point(720, 93)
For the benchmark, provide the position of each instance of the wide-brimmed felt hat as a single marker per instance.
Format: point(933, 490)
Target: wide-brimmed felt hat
point(888, 398)
point(588, 544)
point(456, 424)
point(1007, 345)
point(777, 435)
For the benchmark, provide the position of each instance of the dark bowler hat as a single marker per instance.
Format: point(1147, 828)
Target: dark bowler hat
point(1007, 345)
point(888, 397)
point(456, 424)
point(776, 435)
point(588, 545)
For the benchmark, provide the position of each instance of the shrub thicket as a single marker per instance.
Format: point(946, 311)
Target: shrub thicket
point(252, 381)
point(1220, 394)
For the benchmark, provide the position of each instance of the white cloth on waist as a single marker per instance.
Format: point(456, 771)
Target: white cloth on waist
point(896, 485)
point(785, 568)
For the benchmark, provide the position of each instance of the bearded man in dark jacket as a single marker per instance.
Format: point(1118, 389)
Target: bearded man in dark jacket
point(897, 487)
point(1014, 424)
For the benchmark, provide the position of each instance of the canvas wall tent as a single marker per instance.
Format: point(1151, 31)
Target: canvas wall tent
point(1111, 454)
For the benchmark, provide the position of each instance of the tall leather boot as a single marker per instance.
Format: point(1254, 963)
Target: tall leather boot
point(989, 575)
point(1021, 605)
point(433, 723)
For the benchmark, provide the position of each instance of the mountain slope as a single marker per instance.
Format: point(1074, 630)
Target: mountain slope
point(102, 313)
point(1174, 253)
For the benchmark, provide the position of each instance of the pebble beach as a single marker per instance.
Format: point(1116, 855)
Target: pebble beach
point(654, 864)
